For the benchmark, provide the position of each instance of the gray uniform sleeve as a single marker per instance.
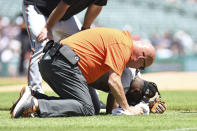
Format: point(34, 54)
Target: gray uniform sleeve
point(128, 76)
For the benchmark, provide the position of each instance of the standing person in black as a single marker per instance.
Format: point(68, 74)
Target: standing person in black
point(54, 19)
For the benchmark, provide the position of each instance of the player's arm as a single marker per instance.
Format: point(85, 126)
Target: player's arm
point(57, 14)
point(111, 103)
point(116, 88)
point(91, 14)
point(54, 17)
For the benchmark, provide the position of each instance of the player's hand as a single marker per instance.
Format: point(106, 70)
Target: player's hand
point(159, 107)
point(45, 34)
point(136, 110)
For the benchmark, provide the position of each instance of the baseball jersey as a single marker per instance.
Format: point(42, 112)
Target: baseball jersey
point(127, 77)
point(76, 6)
point(101, 49)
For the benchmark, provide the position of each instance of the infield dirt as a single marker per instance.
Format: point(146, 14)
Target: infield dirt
point(164, 80)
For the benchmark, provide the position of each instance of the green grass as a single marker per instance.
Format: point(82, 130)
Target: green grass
point(175, 100)
point(168, 120)
point(180, 116)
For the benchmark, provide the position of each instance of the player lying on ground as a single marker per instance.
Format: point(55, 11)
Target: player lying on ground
point(136, 89)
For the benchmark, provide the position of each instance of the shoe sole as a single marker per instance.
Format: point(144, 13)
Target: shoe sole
point(22, 99)
point(15, 103)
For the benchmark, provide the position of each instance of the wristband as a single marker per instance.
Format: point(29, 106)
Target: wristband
point(83, 28)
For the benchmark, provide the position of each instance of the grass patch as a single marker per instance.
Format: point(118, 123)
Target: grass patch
point(181, 115)
point(180, 100)
point(153, 122)
point(175, 100)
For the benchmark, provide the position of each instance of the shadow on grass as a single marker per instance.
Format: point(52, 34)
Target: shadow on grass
point(195, 112)
point(4, 109)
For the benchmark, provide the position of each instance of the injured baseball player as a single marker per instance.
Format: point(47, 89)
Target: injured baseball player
point(139, 93)
point(69, 66)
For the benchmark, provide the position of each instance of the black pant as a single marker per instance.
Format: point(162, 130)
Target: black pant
point(69, 83)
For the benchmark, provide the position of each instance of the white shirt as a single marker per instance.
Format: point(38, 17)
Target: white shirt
point(128, 76)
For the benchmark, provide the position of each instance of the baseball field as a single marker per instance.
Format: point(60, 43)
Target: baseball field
point(178, 90)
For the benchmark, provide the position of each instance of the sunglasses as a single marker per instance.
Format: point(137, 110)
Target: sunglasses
point(142, 68)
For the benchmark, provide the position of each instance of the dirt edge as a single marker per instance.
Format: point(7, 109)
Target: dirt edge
point(164, 80)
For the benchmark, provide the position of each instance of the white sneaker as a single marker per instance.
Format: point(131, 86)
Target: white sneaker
point(25, 105)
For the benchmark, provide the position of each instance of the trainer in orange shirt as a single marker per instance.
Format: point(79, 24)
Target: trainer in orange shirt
point(100, 50)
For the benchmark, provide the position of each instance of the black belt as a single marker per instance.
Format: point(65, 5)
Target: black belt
point(54, 49)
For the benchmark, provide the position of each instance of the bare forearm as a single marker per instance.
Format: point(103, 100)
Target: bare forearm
point(57, 14)
point(117, 90)
point(91, 14)
point(120, 98)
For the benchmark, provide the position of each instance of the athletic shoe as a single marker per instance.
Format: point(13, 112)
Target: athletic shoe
point(15, 103)
point(29, 109)
point(25, 106)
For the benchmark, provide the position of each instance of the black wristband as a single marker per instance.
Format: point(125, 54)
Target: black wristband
point(83, 28)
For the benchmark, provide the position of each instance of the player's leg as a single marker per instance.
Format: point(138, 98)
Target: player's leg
point(95, 100)
point(34, 22)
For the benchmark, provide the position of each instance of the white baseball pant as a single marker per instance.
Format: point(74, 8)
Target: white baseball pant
point(35, 21)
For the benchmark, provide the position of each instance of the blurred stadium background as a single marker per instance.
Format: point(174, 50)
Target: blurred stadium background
point(171, 25)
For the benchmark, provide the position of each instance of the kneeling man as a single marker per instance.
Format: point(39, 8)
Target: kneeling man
point(79, 60)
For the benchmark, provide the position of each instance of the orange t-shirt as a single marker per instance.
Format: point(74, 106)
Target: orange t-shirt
point(101, 49)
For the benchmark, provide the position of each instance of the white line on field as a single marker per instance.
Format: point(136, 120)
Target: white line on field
point(181, 129)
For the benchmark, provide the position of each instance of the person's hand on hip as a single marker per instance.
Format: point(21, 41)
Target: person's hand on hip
point(45, 34)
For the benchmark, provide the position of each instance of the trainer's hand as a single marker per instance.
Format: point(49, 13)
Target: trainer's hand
point(135, 110)
point(45, 34)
